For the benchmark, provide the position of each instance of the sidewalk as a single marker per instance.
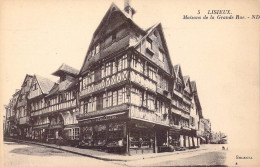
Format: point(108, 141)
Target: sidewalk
point(106, 156)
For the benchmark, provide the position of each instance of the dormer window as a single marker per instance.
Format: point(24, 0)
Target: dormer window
point(149, 46)
point(149, 43)
point(161, 56)
point(34, 86)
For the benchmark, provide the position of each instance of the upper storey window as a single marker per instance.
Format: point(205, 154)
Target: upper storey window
point(178, 87)
point(149, 43)
point(149, 46)
point(35, 87)
point(95, 50)
point(88, 79)
point(161, 56)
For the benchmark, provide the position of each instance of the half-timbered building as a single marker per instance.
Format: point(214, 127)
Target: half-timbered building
point(40, 87)
point(125, 86)
point(23, 114)
point(62, 104)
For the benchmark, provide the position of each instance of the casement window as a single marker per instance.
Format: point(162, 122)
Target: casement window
point(120, 96)
point(136, 97)
point(137, 64)
point(165, 84)
point(124, 62)
point(85, 106)
point(109, 99)
point(104, 100)
point(152, 73)
point(178, 87)
point(161, 56)
point(94, 104)
point(34, 86)
point(150, 102)
point(114, 70)
point(88, 80)
point(162, 107)
point(115, 98)
point(149, 43)
point(108, 68)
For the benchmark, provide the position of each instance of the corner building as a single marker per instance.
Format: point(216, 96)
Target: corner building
point(125, 86)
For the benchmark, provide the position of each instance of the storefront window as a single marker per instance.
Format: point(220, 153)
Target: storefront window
point(141, 138)
point(88, 136)
point(115, 134)
point(99, 135)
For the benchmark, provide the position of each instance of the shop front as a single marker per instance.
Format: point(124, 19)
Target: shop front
point(39, 132)
point(146, 137)
point(107, 132)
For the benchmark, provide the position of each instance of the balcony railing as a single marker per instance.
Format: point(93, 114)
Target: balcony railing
point(145, 82)
point(56, 107)
point(106, 82)
point(150, 116)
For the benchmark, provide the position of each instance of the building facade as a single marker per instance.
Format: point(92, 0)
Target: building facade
point(127, 96)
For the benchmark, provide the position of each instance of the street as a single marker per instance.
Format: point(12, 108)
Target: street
point(29, 155)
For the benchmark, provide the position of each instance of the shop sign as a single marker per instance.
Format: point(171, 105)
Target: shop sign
point(105, 118)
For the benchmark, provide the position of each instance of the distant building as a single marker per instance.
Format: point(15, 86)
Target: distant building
point(218, 138)
point(207, 130)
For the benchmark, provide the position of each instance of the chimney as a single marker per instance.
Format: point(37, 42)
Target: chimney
point(128, 9)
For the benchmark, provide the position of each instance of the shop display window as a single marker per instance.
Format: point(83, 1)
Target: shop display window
point(141, 138)
point(99, 135)
point(115, 134)
point(88, 136)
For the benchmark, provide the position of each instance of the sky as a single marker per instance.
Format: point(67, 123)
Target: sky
point(222, 56)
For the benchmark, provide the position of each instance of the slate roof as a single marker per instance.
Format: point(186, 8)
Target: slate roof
point(44, 83)
point(64, 68)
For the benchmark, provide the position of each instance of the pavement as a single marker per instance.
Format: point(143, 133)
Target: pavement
point(108, 156)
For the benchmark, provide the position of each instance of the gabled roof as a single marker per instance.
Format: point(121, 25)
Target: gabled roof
point(64, 68)
point(157, 26)
point(44, 83)
point(187, 80)
point(176, 71)
point(27, 75)
point(103, 26)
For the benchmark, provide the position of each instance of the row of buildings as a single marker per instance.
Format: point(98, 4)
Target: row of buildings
point(127, 95)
